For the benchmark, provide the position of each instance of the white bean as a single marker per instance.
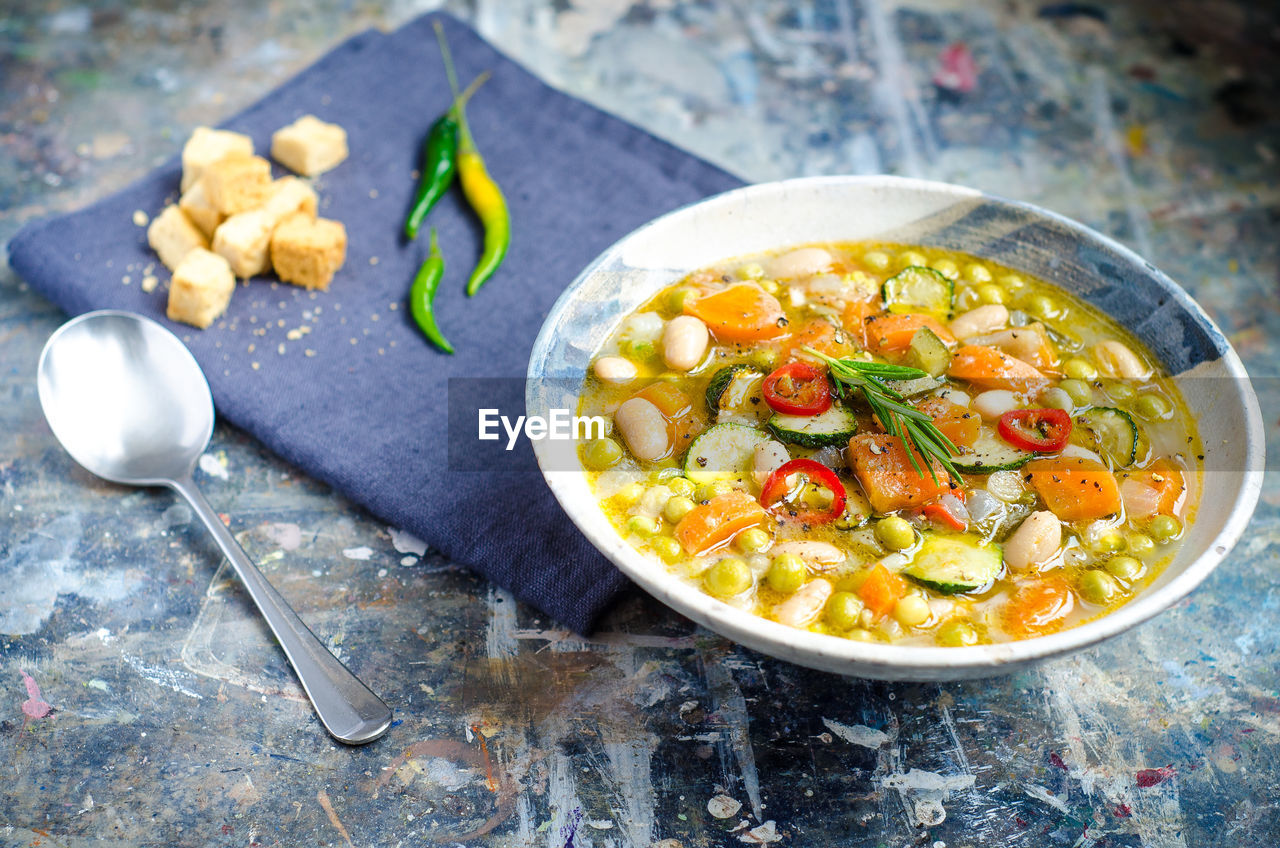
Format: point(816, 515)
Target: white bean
point(984, 319)
point(805, 604)
point(768, 457)
point(643, 428)
point(1115, 359)
point(615, 369)
point(1034, 543)
point(819, 556)
point(684, 342)
point(956, 396)
point(992, 404)
point(800, 263)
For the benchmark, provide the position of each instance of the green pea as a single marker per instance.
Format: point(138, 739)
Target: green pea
point(1079, 369)
point(629, 493)
point(786, 573)
point(1078, 390)
point(1164, 528)
point(991, 293)
point(844, 610)
point(751, 271)
point(1139, 544)
point(1120, 392)
point(911, 257)
point(753, 541)
point(707, 491)
point(946, 268)
point(1042, 306)
point(1124, 567)
point(876, 260)
point(677, 508)
point(764, 357)
point(642, 525)
point(1109, 542)
point(666, 547)
point(1098, 587)
point(956, 634)
point(1013, 282)
point(1057, 399)
point(639, 350)
point(602, 453)
point(911, 611)
point(728, 577)
point(1152, 407)
point(895, 533)
point(859, 634)
point(977, 273)
point(770, 286)
point(681, 486)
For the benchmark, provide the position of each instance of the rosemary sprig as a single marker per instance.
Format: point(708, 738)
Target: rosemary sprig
point(916, 429)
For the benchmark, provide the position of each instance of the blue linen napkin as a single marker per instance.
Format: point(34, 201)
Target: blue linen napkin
point(358, 399)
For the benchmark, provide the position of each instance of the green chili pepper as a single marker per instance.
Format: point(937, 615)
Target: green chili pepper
point(423, 292)
point(438, 168)
point(439, 163)
point(481, 191)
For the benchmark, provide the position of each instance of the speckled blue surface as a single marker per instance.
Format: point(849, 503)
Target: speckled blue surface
point(175, 722)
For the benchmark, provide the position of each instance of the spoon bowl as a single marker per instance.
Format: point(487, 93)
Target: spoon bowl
point(129, 402)
point(125, 398)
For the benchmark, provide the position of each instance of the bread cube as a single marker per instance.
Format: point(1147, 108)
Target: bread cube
point(195, 202)
point(307, 251)
point(207, 146)
point(289, 195)
point(237, 183)
point(309, 146)
point(201, 288)
point(172, 236)
point(244, 240)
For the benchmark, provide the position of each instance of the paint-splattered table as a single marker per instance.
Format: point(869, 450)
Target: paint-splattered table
point(145, 705)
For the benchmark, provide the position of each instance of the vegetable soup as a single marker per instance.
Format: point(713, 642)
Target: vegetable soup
point(891, 443)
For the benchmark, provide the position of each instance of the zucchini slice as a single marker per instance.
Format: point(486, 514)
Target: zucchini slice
point(919, 289)
point(952, 564)
point(829, 429)
point(729, 386)
point(918, 386)
point(991, 453)
point(723, 452)
point(1111, 432)
point(928, 353)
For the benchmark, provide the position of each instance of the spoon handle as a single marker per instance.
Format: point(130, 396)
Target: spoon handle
point(347, 708)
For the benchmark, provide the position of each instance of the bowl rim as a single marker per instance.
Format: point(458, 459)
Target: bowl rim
point(911, 661)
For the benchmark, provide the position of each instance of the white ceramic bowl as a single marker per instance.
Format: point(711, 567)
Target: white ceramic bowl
point(777, 215)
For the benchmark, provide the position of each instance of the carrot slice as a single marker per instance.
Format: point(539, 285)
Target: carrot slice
point(855, 318)
point(1075, 488)
point(1038, 608)
point(716, 522)
point(882, 590)
point(890, 333)
point(991, 368)
point(684, 420)
point(883, 468)
point(1159, 489)
point(958, 423)
point(740, 313)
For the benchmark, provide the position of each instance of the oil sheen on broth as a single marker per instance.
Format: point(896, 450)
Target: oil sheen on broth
point(747, 459)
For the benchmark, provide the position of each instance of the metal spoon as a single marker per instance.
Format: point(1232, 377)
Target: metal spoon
point(129, 402)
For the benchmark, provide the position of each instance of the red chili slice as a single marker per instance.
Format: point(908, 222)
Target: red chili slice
point(776, 488)
point(797, 388)
point(1040, 430)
